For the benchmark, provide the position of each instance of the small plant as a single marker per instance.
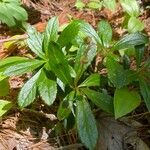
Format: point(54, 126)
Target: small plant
point(132, 23)
point(97, 4)
point(11, 12)
point(64, 69)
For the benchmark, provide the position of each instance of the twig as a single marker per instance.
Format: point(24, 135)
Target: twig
point(137, 115)
point(22, 37)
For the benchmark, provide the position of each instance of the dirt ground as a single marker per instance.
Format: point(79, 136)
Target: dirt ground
point(33, 127)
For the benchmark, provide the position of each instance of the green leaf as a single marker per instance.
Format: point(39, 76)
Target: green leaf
point(4, 87)
point(11, 11)
point(51, 32)
point(34, 41)
point(102, 100)
point(28, 91)
point(5, 63)
point(86, 124)
point(131, 40)
point(47, 89)
point(88, 30)
point(58, 63)
point(69, 33)
point(105, 33)
point(139, 51)
point(4, 107)
point(79, 4)
point(131, 7)
point(92, 80)
point(18, 12)
point(66, 106)
point(134, 25)
point(22, 67)
point(116, 72)
point(110, 4)
point(95, 4)
point(125, 101)
point(145, 91)
point(84, 57)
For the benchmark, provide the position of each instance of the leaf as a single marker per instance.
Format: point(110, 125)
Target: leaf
point(125, 101)
point(139, 51)
point(34, 41)
point(86, 124)
point(145, 91)
point(131, 40)
point(88, 30)
point(116, 73)
point(5, 63)
point(69, 33)
point(4, 87)
point(84, 57)
point(102, 100)
point(134, 25)
point(58, 63)
point(4, 107)
point(131, 7)
point(11, 11)
point(47, 89)
point(92, 80)
point(105, 33)
point(79, 4)
point(66, 106)
point(95, 4)
point(51, 32)
point(28, 91)
point(18, 12)
point(110, 4)
point(22, 67)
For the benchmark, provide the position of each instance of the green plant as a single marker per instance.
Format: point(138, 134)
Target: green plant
point(97, 4)
point(132, 22)
point(64, 70)
point(12, 12)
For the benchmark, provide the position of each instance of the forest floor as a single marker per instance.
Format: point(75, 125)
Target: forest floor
point(33, 128)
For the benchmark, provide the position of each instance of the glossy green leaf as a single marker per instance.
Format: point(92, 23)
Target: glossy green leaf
point(4, 87)
point(116, 72)
point(34, 41)
point(69, 33)
point(28, 91)
point(102, 100)
point(139, 51)
point(145, 91)
point(58, 63)
point(5, 63)
point(105, 32)
point(125, 101)
point(131, 40)
point(88, 30)
point(51, 32)
point(22, 67)
point(5, 106)
point(86, 124)
point(131, 7)
point(66, 106)
point(110, 4)
point(47, 89)
point(92, 80)
point(85, 56)
point(134, 25)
